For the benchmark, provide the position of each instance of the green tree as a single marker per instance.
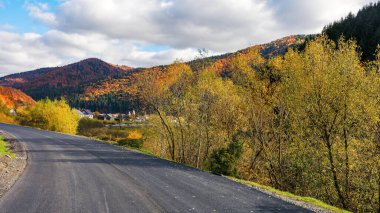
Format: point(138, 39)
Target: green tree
point(224, 161)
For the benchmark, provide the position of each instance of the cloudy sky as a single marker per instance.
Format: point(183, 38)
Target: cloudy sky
point(41, 33)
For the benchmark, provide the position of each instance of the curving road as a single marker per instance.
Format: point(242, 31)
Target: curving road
point(75, 174)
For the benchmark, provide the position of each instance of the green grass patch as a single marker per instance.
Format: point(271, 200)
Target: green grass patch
point(310, 200)
point(4, 148)
point(147, 152)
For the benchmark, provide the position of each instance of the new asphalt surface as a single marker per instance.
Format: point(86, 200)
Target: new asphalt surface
point(74, 174)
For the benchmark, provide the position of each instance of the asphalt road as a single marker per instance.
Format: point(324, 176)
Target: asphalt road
point(75, 174)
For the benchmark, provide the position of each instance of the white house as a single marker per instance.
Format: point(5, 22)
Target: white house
point(80, 113)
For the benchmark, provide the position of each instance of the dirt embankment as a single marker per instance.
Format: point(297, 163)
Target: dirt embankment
point(11, 167)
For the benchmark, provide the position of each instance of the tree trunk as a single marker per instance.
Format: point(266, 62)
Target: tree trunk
point(208, 143)
point(253, 161)
point(378, 168)
point(280, 160)
point(170, 133)
point(199, 149)
point(347, 173)
point(335, 176)
point(183, 160)
point(378, 185)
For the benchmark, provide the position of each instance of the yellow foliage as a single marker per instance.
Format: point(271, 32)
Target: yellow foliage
point(52, 115)
point(134, 135)
point(6, 118)
point(5, 115)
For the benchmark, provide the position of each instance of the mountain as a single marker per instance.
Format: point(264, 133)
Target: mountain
point(14, 98)
point(95, 84)
point(272, 49)
point(364, 27)
point(58, 81)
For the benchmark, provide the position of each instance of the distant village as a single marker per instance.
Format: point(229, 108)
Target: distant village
point(117, 117)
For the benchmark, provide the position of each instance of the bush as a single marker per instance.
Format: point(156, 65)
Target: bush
point(116, 133)
point(5, 115)
point(223, 161)
point(86, 124)
point(132, 142)
point(52, 115)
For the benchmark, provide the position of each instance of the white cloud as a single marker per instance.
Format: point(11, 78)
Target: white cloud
point(40, 12)
point(118, 30)
point(311, 16)
point(22, 52)
point(220, 25)
point(6, 27)
point(177, 23)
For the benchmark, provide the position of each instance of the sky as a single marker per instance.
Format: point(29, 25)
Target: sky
point(143, 33)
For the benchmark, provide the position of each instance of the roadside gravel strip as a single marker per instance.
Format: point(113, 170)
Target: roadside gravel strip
point(295, 201)
point(11, 167)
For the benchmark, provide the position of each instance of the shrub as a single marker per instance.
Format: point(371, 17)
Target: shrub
point(52, 115)
point(131, 142)
point(116, 133)
point(5, 115)
point(223, 161)
point(85, 124)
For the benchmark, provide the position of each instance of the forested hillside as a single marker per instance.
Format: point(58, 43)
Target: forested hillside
point(363, 27)
point(100, 86)
point(67, 81)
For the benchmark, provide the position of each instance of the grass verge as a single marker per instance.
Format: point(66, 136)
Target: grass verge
point(309, 200)
point(4, 148)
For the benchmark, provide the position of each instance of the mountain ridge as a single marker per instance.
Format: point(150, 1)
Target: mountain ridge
point(94, 80)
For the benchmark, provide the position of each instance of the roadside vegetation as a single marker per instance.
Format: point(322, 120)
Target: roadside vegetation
point(306, 122)
point(5, 115)
point(53, 115)
point(286, 195)
point(4, 148)
point(130, 137)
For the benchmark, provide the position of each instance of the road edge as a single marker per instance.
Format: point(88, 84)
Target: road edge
point(16, 166)
point(294, 199)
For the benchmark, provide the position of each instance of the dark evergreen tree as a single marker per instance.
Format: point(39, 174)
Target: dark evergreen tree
point(364, 27)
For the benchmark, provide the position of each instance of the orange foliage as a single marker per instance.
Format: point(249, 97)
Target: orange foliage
point(134, 135)
point(6, 119)
point(14, 98)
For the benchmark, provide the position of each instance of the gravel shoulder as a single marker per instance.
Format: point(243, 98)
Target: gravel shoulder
point(305, 202)
point(11, 168)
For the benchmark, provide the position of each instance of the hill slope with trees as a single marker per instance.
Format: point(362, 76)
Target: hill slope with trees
point(63, 81)
point(14, 98)
point(101, 86)
point(364, 27)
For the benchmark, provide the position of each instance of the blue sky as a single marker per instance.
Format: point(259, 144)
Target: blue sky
point(42, 33)
point(15, 14)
